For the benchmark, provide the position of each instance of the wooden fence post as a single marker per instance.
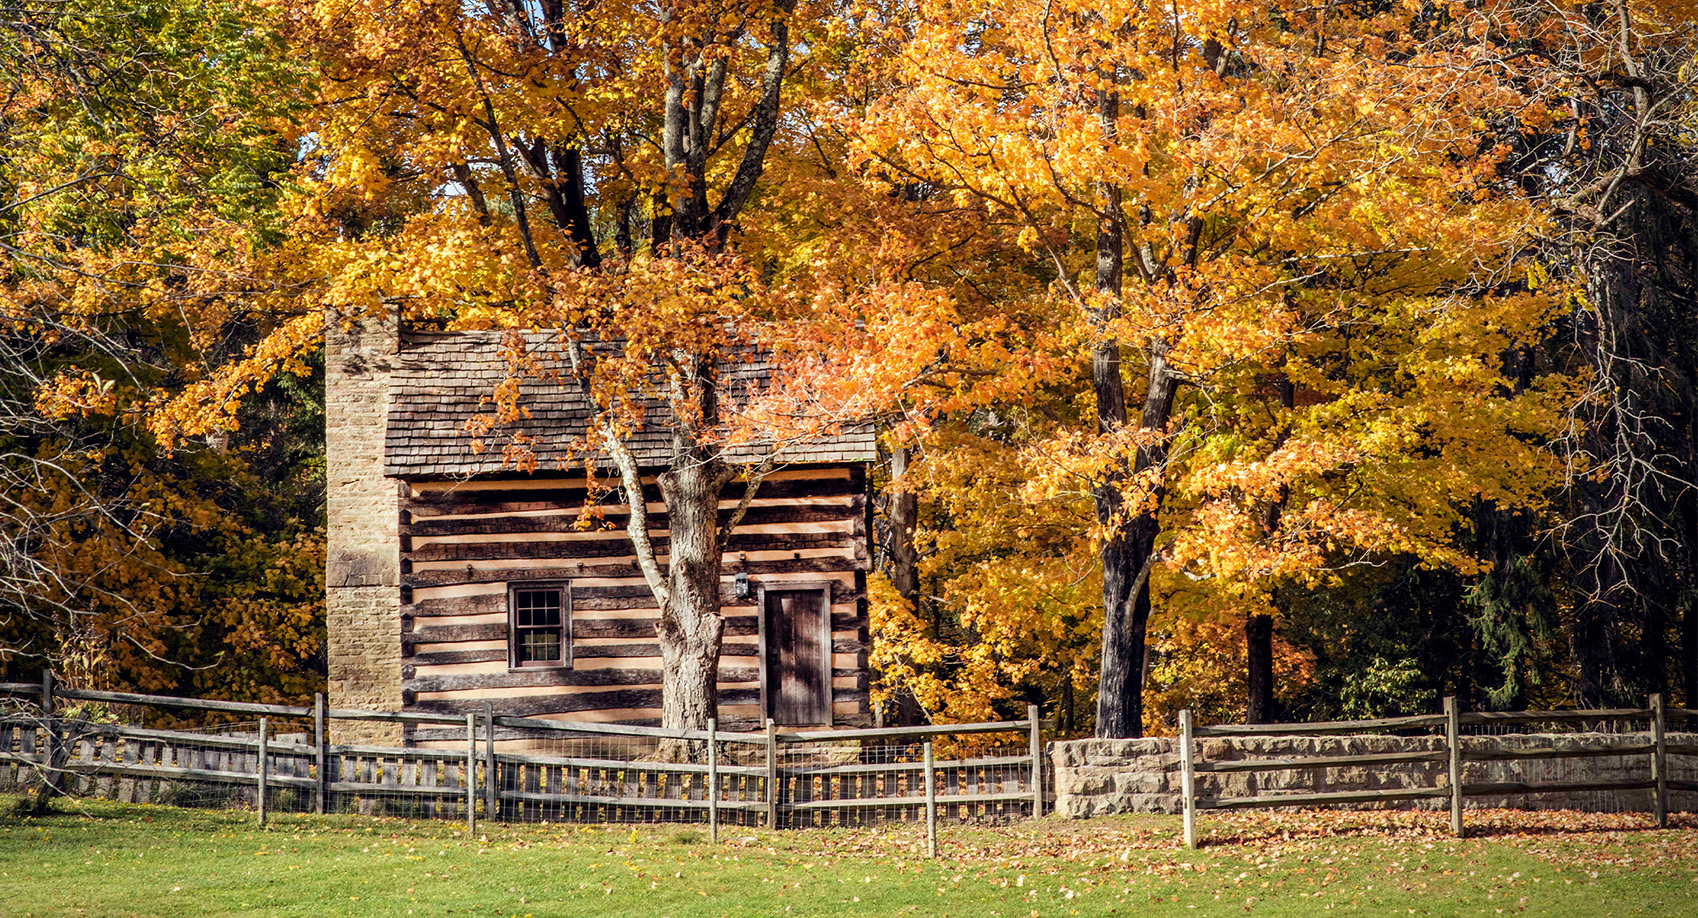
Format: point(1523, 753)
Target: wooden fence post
point(1660, 761)
point(931, 803)
point(264, 765)
point(1037, 761)
point(471, 773)
point(50, 731)
point(1453, 742)
point(491, 794)
point(1187, 779)
point(713, 780)
point(320, 754)
point(771, 774)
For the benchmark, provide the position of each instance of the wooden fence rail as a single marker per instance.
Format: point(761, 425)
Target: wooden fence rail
point(1449, 747)
point(824, 777)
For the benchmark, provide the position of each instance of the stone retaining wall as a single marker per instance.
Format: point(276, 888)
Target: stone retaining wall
point(1098, 777)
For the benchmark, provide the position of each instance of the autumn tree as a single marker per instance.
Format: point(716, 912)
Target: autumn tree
point(608, 171)
point(1225, 198)
point(144, 143)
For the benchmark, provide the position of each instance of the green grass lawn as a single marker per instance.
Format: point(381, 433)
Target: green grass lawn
point(113, 860)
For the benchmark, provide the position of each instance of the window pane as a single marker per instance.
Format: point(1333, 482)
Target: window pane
point(539, 647)
point(537, 608)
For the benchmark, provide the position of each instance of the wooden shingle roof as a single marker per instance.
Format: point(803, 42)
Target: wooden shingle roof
point(442, 379)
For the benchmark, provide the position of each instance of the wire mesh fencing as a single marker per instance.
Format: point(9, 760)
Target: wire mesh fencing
point(369, 772)
point(560, 772)
point(479, 766)
point(217, 766)
point(848, 783)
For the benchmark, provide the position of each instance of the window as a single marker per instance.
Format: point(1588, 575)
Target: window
point(539, 618)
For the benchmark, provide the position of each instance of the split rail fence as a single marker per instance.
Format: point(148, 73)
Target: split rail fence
point(492, 767)
point(1438, 769)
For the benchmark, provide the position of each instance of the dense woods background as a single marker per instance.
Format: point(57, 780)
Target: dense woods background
point(1327, 358)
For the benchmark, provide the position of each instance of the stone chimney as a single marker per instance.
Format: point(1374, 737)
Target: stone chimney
point(362, 600)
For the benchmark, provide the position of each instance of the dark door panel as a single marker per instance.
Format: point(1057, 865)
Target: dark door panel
point(798, 670)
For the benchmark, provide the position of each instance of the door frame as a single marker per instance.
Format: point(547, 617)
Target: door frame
point(822, 587)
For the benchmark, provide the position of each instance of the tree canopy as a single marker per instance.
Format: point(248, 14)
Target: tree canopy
point(1267, 359)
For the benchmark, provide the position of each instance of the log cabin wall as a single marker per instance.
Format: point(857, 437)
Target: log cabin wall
point(464, 541)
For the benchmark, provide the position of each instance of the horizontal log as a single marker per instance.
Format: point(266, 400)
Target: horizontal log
point(649, 648)
point(463, 576)
point(450, 657)
point(1004, 726)
point(584, 599)
point(652, 649)
point(1336, 761)
point(733, 729)
point(20, 688)
point(534, 705)
point(1690, 787)
point(1521, 755)
point(1322, 727)
point(1682, 748)
point(166, 701)
point(617, 545)
point(542, 704)
point(591, 599)
point(1277, 800)
point(511, 500)
point(83, 729)
point(568, 726)
point(491, 603)
point(393, 717)
point(1511, 788)
point(453, 634)
point(210, 776)
point(735, 626)
point(756, 516)
point(643, 650)
point(1602, 715)
point(547, 677)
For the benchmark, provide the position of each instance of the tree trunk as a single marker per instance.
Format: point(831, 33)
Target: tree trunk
point(1258, 636)
point(1120, 709)
point(1127, 559)
point(690, 625)
point(1126, 553)
point(902, 513)
point(1689, 574)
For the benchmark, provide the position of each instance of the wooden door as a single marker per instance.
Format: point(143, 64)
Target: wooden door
point(798, 642)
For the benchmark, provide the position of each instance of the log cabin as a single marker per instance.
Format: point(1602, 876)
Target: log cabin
point(453, 579)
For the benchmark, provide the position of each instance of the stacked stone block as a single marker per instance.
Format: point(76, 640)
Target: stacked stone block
point(1100, 777)
point(362, 577)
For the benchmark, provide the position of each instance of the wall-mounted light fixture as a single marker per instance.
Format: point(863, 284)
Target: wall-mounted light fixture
point(742, 582)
